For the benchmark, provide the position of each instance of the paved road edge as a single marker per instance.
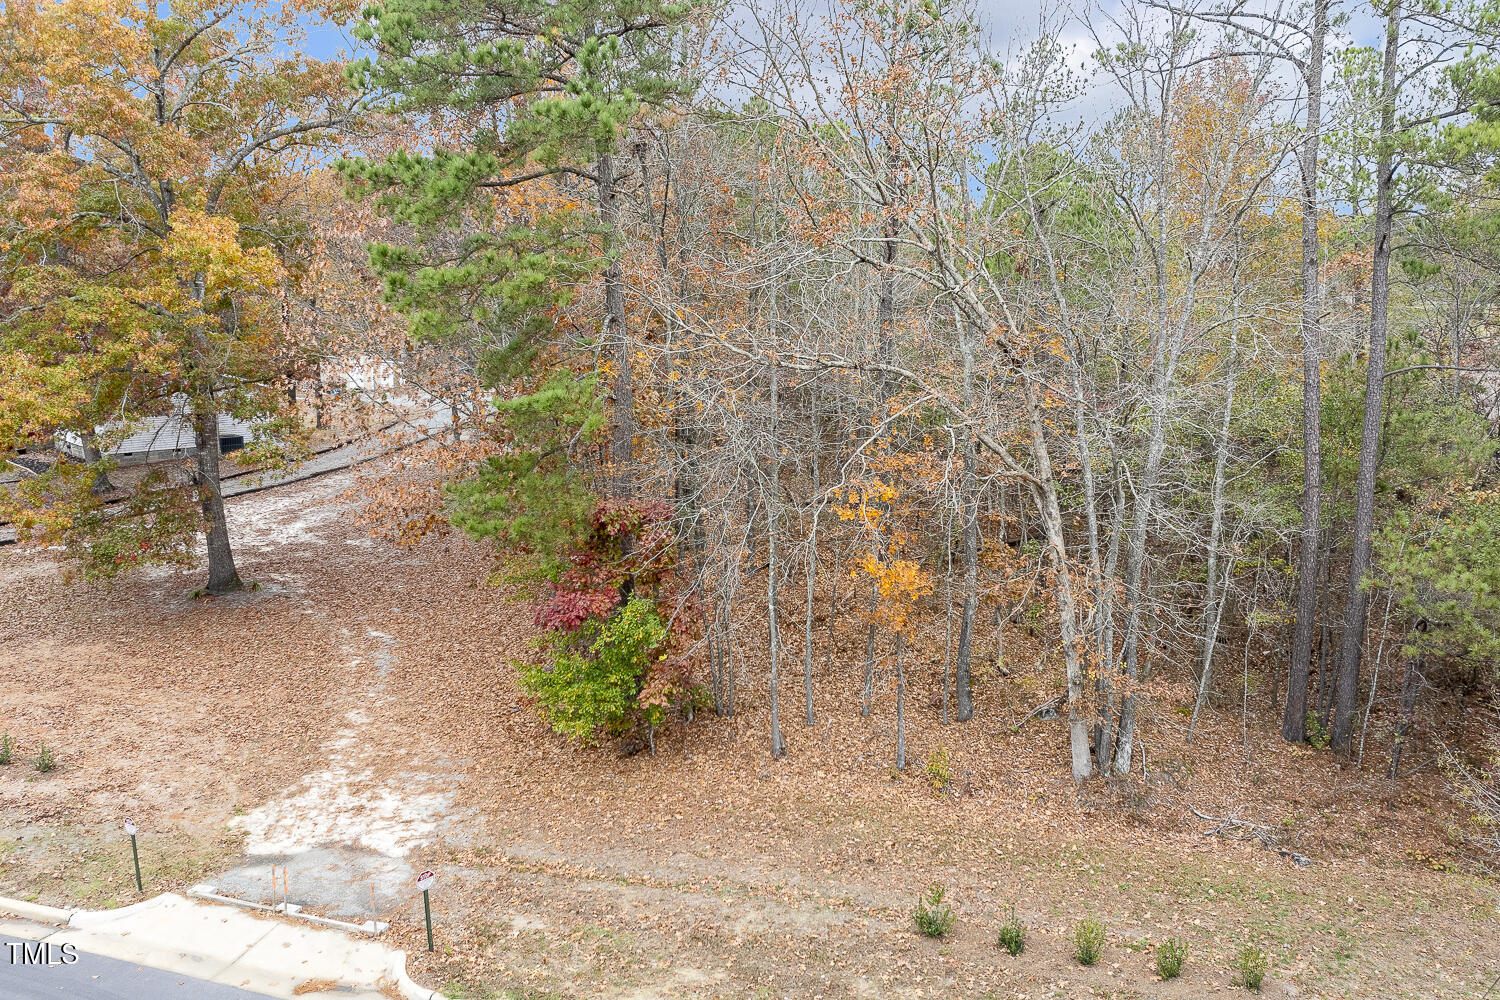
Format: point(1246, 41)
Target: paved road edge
point(395, 959)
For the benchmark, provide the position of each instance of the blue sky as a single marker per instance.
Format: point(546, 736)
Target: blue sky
point(327, 41)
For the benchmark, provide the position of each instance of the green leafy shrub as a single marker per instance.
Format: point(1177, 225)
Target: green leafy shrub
point(933, 916)
point(1088, 940)
point(610, 664)
point(44, 759)
point(7, 749)
point(589, 689)
point(1013, 933)
point(1250, 967)
point(1170, 956)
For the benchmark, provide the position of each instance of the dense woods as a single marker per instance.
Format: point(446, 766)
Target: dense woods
point(1159, 333)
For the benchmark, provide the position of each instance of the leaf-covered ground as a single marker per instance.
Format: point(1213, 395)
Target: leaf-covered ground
point(362, 697)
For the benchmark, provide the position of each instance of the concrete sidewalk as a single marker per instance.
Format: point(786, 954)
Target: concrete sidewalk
point(226, 945)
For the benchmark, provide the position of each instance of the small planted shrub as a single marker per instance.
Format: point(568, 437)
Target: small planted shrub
point(7, 749)
point(1250, 967)
point(1088, 940)
point(44, 759)
point(933, 916)
point(1170, 955)
point(1013, 933)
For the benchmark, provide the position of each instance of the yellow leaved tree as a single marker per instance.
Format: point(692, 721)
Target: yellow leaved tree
point(148, 233)
point(897, 583)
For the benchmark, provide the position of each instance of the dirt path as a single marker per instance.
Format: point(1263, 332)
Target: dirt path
point(343, 830)
point(346, 802)
point(342, 833)
point(239, 732)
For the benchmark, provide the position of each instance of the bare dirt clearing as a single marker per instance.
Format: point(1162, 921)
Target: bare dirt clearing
point(356, 719)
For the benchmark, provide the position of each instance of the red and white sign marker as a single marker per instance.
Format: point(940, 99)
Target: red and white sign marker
point(129, 827)
point(425, 880)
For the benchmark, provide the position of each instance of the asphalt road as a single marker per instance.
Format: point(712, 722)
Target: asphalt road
point(95, 978)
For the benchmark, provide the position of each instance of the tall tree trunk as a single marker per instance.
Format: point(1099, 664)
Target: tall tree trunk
point(320, 407)
point(724, 618)
point(1411, 687)
point(1104, 742)
point(885, 309)
point(947, 614)
point(773, 571)
point(1212, 605)
point(962, 687)
point(885, 314)
point(1044, 490)
point(812, 565)
point(1135, 551)
point(622, 434)
point(833, 604)
point(1294, 722)
point(864, 708)
point(726, 664)
point(223, 577)
point(715, 667)
point(900, 702)
point(807, 637)
point(1351, 646)
point(1168, 336)
point(92, 456)
point(961, 672)
point(1102, 588)
point(1100, 585)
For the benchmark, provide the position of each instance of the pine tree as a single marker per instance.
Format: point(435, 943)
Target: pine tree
point(536, 96)
point(533, 100)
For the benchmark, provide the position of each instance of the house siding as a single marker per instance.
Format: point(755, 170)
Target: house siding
point(156, 439)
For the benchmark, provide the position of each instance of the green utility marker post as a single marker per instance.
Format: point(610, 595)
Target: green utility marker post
point(134, 854)
point(424, 882)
